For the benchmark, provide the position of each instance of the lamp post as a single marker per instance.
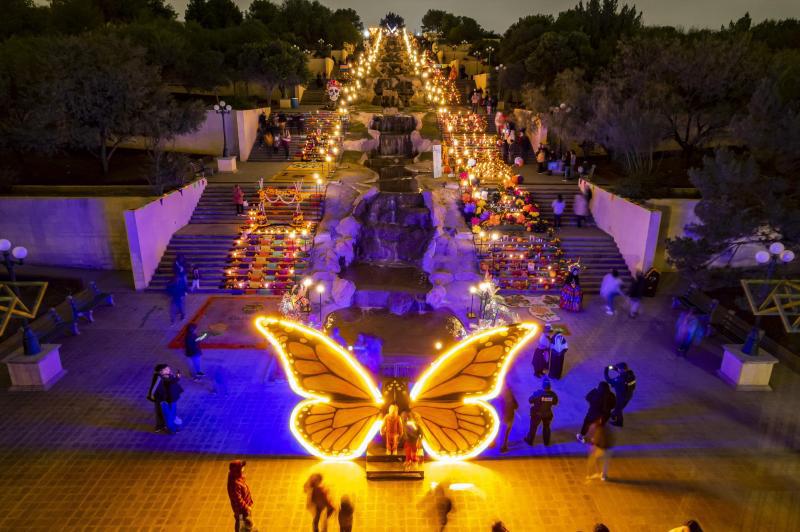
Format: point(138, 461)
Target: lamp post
point(222, 110)
point(472, 291)
point(12, 257)
point(777, 251)
point(484, 295)
point(499, 69)
point(320, 291)
point(490, 49)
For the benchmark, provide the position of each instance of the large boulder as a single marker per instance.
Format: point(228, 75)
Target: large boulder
point(440, 278)
point(344, 249)
point(400, 303)
point(435, 298)
point(342, 292)
point(429, 258)
point(348, 227)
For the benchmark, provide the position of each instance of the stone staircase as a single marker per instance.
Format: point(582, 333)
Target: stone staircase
point(546, 194)
point(263, 153)
point(598, 254)
point(314, 96)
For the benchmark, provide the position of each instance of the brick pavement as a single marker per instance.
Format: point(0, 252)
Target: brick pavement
point(83, 455)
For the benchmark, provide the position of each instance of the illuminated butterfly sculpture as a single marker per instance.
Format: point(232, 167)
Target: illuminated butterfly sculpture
point(342, 410)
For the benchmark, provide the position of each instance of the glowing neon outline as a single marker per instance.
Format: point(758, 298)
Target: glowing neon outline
point(312, 398)
point(533, 329)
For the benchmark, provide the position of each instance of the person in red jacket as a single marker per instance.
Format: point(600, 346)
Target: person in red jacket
point(241, 499)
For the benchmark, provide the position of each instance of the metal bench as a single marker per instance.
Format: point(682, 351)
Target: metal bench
point(695, 299)
point(47, 328)
point(84, 303)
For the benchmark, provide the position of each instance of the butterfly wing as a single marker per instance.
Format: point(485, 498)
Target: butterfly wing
point(341, 412)
point(450, 398)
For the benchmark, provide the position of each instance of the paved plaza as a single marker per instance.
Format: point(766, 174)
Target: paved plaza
point(84, 456)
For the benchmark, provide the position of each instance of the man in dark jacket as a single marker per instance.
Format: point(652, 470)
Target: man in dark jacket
point(156, 394)
point(636, 293)
point(240, 496)
point(165, 392)
point(192, 350)
point(542, 403)
point(601, 403)
point(624, 383)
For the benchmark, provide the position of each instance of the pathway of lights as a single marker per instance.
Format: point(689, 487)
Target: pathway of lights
point(323, 139)
point(361, 69)
point(273, 248)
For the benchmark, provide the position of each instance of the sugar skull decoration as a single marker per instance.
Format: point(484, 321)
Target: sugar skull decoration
point(334, 88)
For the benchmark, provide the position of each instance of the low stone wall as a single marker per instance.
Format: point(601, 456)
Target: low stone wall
point(151, 226)
point(77, 232)
point(676, 214)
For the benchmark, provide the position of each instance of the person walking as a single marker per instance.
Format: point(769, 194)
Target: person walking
point(156, 394)
point(542, 403)
point(581, 208)
point(624, 384)
point(172, 393)
point(192, 350)
point(541, 355)
point(610, 288)
point(286, 141)
point(177, 299)
point(443, 504)
point(240, 497)
point(558, 210)
point(510, 406)
point(601, 443)
point(238, 199)
point(346, 510)
point(476, 101)
point(601, 403)
point(319, 501)
point(689, 331)
point(636, 293)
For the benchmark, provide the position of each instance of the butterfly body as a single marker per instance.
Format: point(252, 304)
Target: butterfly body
point(343, 408)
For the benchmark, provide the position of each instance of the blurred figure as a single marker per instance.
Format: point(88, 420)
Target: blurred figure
point(600, 527)
point(581, 208)
point(636, 293)
point(689, 331)
point(601, 403)
point(689, 526)
point(240, 497)
point(599, 437)
point(319, 501)
point(192, 350)
point(541, 355)
point(443, 504)
point(610, 288)
point(346, 510)
point(510, 406)
point(542, 403)
point(156, 394)
point(391, 430)
point(498, 526)
point(412, 440)
point(624, 384)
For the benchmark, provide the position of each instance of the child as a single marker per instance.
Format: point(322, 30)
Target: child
point(195, 278)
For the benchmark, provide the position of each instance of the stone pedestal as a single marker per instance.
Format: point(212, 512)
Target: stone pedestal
point(744, 372)
point(36, 373)
point(226, 164)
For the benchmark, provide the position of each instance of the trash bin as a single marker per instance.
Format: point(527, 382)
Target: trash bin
point(651, 279)
point(295, 103)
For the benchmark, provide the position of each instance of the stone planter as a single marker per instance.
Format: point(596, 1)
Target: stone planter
point(36, 373)
point(744, 372)
point(226, 164)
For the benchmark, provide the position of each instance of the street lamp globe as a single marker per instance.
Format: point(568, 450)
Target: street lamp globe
point(19, 253)
point(222, 103)
point(216, 107)
point(776, 248)
point(762, 257)
point(787, 256)
point(320, 288)
point(5, 244)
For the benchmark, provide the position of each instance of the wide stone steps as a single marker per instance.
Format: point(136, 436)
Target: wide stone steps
point(263, 153)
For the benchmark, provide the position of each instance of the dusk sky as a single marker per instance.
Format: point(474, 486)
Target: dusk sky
point(498, 15)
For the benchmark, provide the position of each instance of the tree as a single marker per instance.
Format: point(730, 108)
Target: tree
point(393, 20)
point(72, 17)
point(522, 37)
point(438, 21)
point(107, 92)
point(564, 108)
point(22, 17)
point(264, 11)
point(555, 52)
point(214, 13)
point(165, 120)
point(131, 10)
point(272, 63)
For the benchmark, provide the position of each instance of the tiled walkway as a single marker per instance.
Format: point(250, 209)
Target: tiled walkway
point(83, 454)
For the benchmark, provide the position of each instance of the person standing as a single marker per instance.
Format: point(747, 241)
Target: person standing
point(624, 384)
point(558, 210)
point(172, 393)
point(571, 292)
point(240, 497)
point(610, 288)
point(601, 403)
point(156, 394)
point(412, 439)
point(558, 349)
point(542, 403)
point(286, 141)
point(319, 501)
point(581, 208)
point(601, 443)
point(391, 430)
point(238, 199)
point(541, 354)
point(195, 278)
point(476, 101)
point(192, 350)
point(689, 331)
point(346, 510)
point(510, 406)
point(636, 293)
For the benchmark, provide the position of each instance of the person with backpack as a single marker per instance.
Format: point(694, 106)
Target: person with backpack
point(155, 394)
point(601, 403)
